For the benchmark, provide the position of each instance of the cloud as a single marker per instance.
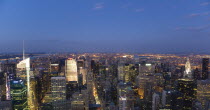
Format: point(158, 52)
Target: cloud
point(193, 28)
point(200, 28)
point(127, 5)
point(139, 10)
point(178, 28)
point(205, 3)
point(98, 6)
point(198, 14)
point(206, 13)
point(194, 15)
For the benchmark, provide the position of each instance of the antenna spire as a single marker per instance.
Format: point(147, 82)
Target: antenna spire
point(23, 49)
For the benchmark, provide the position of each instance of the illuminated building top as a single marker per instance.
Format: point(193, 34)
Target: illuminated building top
point(187, 72)
point(71, 70)
point(25, 63)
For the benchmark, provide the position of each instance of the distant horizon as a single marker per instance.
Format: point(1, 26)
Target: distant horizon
point(175, 53)
point(40, 46)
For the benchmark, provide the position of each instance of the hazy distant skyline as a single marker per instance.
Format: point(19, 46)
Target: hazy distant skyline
point(140, 26)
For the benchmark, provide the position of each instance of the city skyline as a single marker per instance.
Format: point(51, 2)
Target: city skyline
point(177, 26)
point(98, 81)
point(104, 54)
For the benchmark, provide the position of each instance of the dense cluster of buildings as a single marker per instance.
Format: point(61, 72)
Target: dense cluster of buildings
point(105, 82)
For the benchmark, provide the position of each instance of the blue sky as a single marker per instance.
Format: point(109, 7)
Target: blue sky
point(143, 26)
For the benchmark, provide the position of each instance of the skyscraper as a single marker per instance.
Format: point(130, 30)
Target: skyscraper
point(122, 103)
point(188, 73)
point(83, 71)
point(58, 90)
point(2, 86)
point(196, 74)
point(71, 70)
point(80, 80)
point(127, 72)
point(188, 88)
point(205, 65)
point(155, 101)
point(18, 94)
point(23, 72)
point(146, 68)
point(203, 94)
point(78, 101)
point(125, 96)
point(80, 63)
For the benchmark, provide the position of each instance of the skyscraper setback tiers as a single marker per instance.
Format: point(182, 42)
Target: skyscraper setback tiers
point(105, 82)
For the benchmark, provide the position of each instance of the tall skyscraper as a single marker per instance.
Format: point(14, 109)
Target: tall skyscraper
point(205, 71)
point(23, 72)
point(71, 70)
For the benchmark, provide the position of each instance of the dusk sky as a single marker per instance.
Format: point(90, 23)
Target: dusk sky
point(143, 26)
